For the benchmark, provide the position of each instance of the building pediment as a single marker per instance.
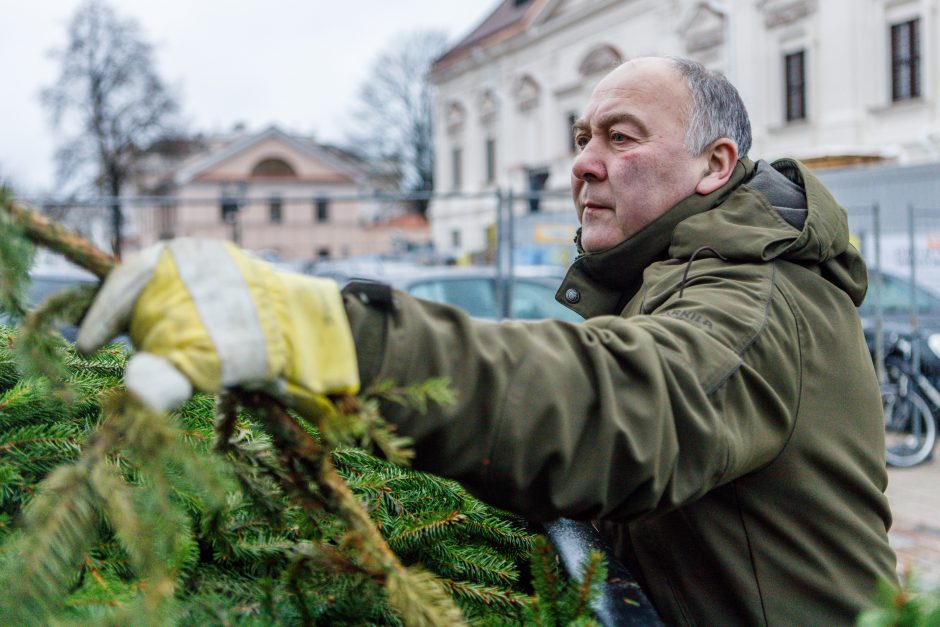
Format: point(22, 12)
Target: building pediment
point(488, 105)
point(555, 9)
point(455, 116)
point(270, 154)
point(602, 58)
point(782, 12)
point(703, 28)
point(527, 92)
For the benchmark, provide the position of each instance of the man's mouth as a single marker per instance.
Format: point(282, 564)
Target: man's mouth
point(595, 207)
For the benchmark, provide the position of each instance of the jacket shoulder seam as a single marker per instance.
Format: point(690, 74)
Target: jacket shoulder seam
point(799, 390)
point(749, 341)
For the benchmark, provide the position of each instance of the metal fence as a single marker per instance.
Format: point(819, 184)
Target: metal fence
point(894, 217)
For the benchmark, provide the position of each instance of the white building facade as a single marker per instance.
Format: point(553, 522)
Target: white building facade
point(830, 82)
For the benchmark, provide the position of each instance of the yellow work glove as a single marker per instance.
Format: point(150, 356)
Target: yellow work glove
point(202, 313)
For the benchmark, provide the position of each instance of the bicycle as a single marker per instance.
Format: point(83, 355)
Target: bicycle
point(911, 402)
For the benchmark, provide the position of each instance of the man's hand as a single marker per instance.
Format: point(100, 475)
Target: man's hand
point(202, 313)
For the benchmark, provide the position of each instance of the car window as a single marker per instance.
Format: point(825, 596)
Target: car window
point(41, 287)
point(536, 301)
point(476, 296)
point(896, 297)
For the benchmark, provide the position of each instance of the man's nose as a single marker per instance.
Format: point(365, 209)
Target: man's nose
point(588, 165)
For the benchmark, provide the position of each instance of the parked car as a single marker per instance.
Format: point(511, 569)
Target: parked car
point(478, 290)
point(895, 305)
point(46, 281)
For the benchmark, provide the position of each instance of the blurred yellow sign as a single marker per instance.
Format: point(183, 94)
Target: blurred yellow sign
point(554, 233)
point(856, 241)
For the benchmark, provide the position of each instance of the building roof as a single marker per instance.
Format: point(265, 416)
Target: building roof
point(339, 160)
point(507, 19)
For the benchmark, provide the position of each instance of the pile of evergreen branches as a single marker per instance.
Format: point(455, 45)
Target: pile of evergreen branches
point(231, 511)
point(234, 545)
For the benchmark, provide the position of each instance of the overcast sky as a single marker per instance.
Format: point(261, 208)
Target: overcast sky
point(295, 63)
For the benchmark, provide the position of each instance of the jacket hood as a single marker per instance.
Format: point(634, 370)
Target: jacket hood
point(765, 212)
point(780, 212)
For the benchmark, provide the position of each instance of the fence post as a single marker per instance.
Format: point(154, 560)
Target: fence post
point(915, 345)
point(879, 322)
point(511, 236)
point(501, 305)
point(913, 260)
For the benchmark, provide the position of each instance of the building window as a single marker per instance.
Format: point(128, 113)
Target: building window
point(273, 167)
point(274, 209)
point(455, 238)
point(456, 181)
point(795, 85)
point(490, 160)
point(321, 208)
point(166, 221)
point(905, 60)
point(229, 213)
point(537, 180)
point(572, 146)
point(323, 253)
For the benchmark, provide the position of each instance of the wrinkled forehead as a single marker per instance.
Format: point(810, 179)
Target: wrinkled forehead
point(650, 83)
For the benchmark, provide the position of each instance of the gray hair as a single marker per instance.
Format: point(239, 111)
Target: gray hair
point(717, 109)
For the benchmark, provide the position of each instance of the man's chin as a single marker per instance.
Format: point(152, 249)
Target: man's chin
point(596, 242)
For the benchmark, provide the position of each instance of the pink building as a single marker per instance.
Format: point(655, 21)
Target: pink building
point(281, 195)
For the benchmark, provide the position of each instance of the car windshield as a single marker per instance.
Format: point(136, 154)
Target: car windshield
point(41, 287)
point(895, 297)
point(531, 299)
point(475, 296)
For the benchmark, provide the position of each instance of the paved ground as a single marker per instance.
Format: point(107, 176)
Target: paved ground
point(914, 494)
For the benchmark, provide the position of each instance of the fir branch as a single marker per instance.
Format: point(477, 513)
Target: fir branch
point(424, 531)
point(421, 599)
point(410, 593)
point(27, 402)
point(39, 349)
point(474, 562)
point(509, 603)
point(548, 584)
point(16, 257)
point(61, 519)
point(593, 576)
point(437, 390)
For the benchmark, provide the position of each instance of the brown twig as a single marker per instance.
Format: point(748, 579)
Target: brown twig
point(306, 459)
point(55, 237)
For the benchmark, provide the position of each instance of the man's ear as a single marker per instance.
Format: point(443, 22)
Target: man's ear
point(721, 158)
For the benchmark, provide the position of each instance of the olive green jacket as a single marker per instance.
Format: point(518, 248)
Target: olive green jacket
point(718, 410)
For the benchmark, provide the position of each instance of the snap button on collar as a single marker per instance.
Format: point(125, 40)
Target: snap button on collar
point(572, 295)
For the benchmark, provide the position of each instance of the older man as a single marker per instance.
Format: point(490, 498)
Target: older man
point(717, 412)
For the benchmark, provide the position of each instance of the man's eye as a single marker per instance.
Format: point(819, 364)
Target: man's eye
point(618, 137)
point(581, 141)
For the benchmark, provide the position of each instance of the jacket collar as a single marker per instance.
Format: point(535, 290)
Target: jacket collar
point(603, 282)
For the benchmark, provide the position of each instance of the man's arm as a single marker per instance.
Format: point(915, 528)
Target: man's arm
point(611, 418)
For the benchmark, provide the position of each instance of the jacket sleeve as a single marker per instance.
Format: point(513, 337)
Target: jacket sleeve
point(612, 418)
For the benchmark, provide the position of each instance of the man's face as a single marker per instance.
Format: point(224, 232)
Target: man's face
point(632, 166)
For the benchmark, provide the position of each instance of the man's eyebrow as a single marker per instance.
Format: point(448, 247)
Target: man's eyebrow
point(606, 120)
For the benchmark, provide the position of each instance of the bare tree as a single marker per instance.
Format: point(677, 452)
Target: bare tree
point(109, 101)
point(393, 112)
